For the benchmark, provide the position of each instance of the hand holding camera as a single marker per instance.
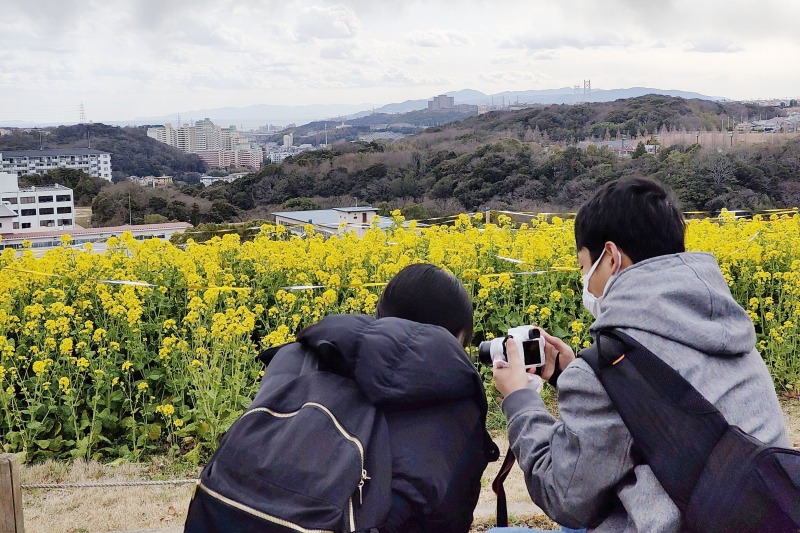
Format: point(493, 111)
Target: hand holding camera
point(529, 343)
point(542, 352)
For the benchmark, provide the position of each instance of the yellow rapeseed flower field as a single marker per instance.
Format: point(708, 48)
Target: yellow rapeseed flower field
point(90, 367)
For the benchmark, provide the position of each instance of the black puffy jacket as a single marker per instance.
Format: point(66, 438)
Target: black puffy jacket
point(434, 403)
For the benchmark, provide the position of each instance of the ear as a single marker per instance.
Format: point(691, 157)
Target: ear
point(617, 255)
point(613, 252)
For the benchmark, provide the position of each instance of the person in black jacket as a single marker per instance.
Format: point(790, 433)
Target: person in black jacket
point(410, 361)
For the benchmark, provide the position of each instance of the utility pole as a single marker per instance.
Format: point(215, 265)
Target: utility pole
point(130, 212)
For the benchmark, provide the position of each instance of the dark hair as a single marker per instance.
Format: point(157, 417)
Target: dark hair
point(430, 295)
point(637, 214)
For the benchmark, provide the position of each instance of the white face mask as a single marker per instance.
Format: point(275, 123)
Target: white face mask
point(590, 301)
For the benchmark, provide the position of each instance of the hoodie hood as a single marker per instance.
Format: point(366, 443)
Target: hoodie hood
point(397, 361)
point(682, 298)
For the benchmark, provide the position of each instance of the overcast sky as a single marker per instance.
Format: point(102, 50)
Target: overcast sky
point(130, 58)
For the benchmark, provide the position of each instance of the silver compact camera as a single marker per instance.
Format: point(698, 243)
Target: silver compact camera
point(530, 346)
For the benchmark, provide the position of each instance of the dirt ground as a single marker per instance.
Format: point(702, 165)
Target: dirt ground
point(164, 508)
point(83, 216)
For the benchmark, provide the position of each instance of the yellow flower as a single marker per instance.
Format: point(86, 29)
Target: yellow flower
point(177, 423)
point(39, 368)
point(114, 381)
point(166, 410)
point(142, 385)
point(126, 366)
point(577, 326)
point(63, 384)
point(82, 363)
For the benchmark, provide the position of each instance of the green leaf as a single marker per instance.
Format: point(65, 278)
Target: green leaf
point(154, 431)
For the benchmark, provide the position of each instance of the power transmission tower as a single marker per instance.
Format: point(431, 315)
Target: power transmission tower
point(587, 90)
point(82, 114)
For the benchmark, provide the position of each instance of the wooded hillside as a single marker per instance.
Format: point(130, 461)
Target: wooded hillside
point(133, 153)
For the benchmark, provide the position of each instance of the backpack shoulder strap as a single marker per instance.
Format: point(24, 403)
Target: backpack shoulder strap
point(673, 426)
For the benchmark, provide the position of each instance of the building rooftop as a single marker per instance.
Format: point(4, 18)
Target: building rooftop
point(83, 232)
point(51, 153)
point(5, 212)
point(355, 209)
point(328, 217)
point(44, 188)
point(313, 216)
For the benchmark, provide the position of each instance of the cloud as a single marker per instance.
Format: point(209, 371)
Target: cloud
point(511, 77)
point(396, 76)
point(713, 47)
point(438, 38)
point(555, 42)
point(346, 50)
point(335, 22)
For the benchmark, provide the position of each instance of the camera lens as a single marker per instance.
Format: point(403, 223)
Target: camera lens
point(485, 353)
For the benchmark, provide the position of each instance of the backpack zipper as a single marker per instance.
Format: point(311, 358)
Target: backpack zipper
point(259, 514)
point(344, 433)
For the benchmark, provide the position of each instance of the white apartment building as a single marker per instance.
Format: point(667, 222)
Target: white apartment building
point(217, 147)
point(19, 162)
point(34, 208)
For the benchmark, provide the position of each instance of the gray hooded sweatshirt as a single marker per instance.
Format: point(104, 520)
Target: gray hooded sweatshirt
point(580, 469)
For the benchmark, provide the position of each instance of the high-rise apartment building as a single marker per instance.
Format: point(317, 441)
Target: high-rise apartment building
point(218, 147)
point(19, 162)
point(441, 102)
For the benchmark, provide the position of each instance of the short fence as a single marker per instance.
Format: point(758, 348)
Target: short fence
point(11, 520)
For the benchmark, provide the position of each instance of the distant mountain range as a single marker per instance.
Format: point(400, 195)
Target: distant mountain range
point(281, 115)
point(564, 95)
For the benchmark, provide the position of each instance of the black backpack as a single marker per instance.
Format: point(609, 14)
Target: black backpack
point(309, 455)
point(720, 478)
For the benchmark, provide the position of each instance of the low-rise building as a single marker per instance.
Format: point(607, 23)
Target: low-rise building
point(230, 178)
point(44, 240)
point(20, 162)
point(34, 208)
point(334, 221)
point(152, 181)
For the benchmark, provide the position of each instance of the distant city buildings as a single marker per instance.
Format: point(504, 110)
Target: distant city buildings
point(218, 147)
point(20, 162)
point(30, 209)
point(441, 102)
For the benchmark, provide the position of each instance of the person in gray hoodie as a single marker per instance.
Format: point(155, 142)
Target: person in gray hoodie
point(583, 469)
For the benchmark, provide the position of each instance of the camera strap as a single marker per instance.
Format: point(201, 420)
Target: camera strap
point(500, 491)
